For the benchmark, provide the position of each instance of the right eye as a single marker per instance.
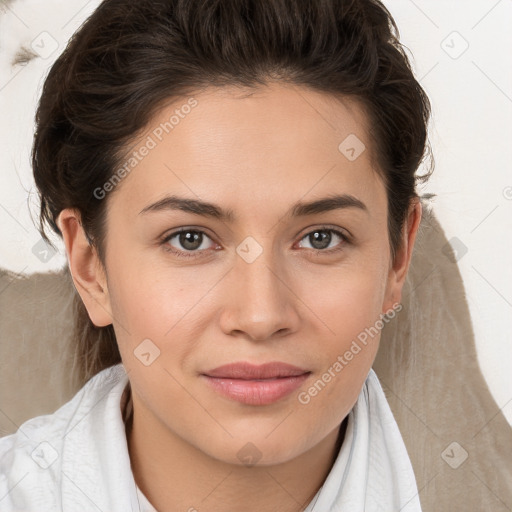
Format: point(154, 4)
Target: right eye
point(185, 242)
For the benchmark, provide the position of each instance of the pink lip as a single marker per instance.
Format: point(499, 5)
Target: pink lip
point(256, 385)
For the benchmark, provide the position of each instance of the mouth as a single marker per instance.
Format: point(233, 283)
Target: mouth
point(256, 384)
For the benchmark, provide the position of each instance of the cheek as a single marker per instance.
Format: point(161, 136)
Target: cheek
point(347, 299)
point(153, 296)
point(348, 302)
point(169, 306)
point(351, 311)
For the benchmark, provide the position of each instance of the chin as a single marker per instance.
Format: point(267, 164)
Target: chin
point(257, 450)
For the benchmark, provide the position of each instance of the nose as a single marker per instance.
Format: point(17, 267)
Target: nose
point(261, 303)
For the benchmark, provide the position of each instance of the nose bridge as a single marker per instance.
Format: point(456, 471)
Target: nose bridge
point(261, 281)
point(261, 304)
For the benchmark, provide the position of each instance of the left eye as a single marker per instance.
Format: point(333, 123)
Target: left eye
point(321, 239)
point(190, 240)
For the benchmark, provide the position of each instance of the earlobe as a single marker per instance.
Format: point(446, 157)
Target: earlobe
point(86, 269)
point(400, 266)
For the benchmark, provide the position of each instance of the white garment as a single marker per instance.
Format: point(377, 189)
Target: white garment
point(77, 460)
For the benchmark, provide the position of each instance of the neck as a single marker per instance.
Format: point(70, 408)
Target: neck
point(175, 475)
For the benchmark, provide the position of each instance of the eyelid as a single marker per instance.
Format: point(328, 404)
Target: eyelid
point(172, 233)
point(345, 233)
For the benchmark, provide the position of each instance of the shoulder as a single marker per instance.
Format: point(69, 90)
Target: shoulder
point(31, 458)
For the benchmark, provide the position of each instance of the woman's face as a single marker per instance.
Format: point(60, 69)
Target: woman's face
point(265, 187)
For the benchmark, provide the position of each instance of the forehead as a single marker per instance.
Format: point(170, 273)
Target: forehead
point(234, 145)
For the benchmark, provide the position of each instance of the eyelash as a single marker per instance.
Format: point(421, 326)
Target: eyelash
point(195, 254)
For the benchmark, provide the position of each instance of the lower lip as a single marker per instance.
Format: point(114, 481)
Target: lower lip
point(256, 392)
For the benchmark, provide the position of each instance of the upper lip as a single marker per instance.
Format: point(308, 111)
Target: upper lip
point(248, 371)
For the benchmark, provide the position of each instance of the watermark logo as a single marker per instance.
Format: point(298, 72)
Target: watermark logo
point(249, 454)
point(43, 252)
point(454, 45)
point(454, 455)
point(147, 352)
point(44, 455)
point(304, 397)
point(151, 142)
point(352, 147)
point(249, 250)
point(44, 45)
point(454, 249)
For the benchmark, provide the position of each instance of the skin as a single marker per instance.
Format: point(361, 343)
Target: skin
point(255, 153)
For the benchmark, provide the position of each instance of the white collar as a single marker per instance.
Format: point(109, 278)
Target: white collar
point(85, 442)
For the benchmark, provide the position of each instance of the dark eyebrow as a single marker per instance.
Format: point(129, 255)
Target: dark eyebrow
point(300, 209)
point(191, 206)
point(327, 204)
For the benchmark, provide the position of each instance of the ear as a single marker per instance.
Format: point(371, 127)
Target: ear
point(86, 269)
point(400, 266)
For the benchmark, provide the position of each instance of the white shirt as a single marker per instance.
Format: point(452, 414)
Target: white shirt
point(77, 460)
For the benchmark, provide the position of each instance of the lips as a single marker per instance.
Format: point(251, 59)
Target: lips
point(247, 371)
point(256, 384)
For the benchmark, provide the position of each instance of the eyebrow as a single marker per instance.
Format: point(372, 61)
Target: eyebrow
point(300, 209)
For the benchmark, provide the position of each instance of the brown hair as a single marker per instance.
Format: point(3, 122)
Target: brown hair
point(130, 57)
